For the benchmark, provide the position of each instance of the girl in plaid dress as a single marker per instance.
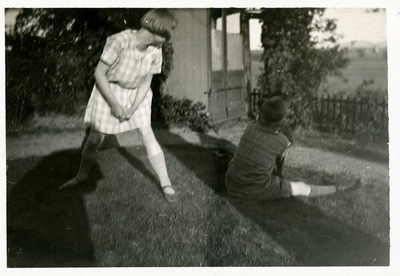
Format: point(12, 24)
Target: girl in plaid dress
point(121, 98)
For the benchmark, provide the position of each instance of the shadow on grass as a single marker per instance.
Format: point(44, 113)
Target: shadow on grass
point(111, 141)
point(137, 164)
point(312, 237)
point(47, 227)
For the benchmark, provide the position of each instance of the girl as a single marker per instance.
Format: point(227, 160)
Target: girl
point(255, 171)
point(121, 98)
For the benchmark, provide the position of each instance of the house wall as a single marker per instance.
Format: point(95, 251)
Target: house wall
point(189, 76)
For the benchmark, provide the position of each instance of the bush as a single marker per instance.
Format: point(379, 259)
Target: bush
point(19, 96)
point(185, 111)
point(19, 106)
point(374, 122)
point(45, 86)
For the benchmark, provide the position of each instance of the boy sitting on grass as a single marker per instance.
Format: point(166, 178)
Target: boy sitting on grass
point(255, 171)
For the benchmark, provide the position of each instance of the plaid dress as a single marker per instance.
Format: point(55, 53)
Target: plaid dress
point(128, 69)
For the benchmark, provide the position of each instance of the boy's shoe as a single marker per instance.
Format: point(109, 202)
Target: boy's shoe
point(349, 186)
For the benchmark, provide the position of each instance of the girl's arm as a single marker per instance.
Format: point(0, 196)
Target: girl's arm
point(105, 90)
point(141, 94)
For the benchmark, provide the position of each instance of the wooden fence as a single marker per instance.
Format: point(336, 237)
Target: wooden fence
point(343, 114)
point(254, 97)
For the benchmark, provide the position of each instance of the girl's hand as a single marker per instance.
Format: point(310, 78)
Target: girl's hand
point(128, 113)
point(117, 111)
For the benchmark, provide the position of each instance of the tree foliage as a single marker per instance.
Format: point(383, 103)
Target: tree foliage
point(80, 31)
point(295, 61)
point(77, 28)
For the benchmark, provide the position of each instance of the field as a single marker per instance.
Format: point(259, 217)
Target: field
point(373, 66)
point(119, 218)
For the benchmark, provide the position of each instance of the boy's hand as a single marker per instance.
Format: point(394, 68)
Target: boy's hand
point(117, 111)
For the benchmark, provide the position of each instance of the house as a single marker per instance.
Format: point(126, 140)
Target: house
point(212, 61)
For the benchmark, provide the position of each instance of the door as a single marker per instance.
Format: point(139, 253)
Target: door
point(228, 86)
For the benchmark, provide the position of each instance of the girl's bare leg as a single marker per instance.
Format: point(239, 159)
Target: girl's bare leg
point(88, 158)
point(156, 158)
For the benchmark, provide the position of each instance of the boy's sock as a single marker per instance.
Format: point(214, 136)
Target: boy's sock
point(321, 190)
point(158, 163)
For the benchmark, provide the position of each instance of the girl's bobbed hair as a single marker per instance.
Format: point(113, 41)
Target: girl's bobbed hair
point(160, 22)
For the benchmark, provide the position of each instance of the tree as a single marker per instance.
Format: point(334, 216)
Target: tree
point(82, 31)
point(295, 61)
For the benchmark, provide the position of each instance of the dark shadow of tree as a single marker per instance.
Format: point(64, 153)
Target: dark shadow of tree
point(47, 227)
point(311, 236)
point(111, 141)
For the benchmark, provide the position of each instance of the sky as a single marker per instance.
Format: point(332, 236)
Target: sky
point(355, 24)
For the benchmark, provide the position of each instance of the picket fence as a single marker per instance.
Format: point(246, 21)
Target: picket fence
point(343, 114)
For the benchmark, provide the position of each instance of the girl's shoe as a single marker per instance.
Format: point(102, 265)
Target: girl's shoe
point(170, 197)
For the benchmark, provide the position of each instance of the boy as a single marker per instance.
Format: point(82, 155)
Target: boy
point(254, 172)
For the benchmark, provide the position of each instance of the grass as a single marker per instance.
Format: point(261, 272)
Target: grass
point(49, 124)
point(119, 218)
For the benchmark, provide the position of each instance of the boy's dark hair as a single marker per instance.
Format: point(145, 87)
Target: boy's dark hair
point(160, 22)
point(272, 111)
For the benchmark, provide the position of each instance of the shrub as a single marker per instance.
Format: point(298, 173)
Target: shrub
point(186, 112)
point(19, 107)
point(46, 85)
point(19, 97)
point(374, 122)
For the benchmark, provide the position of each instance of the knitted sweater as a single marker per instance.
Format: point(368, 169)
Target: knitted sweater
point(249, 173)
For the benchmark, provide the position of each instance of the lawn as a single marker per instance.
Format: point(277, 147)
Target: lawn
point(119, 218)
